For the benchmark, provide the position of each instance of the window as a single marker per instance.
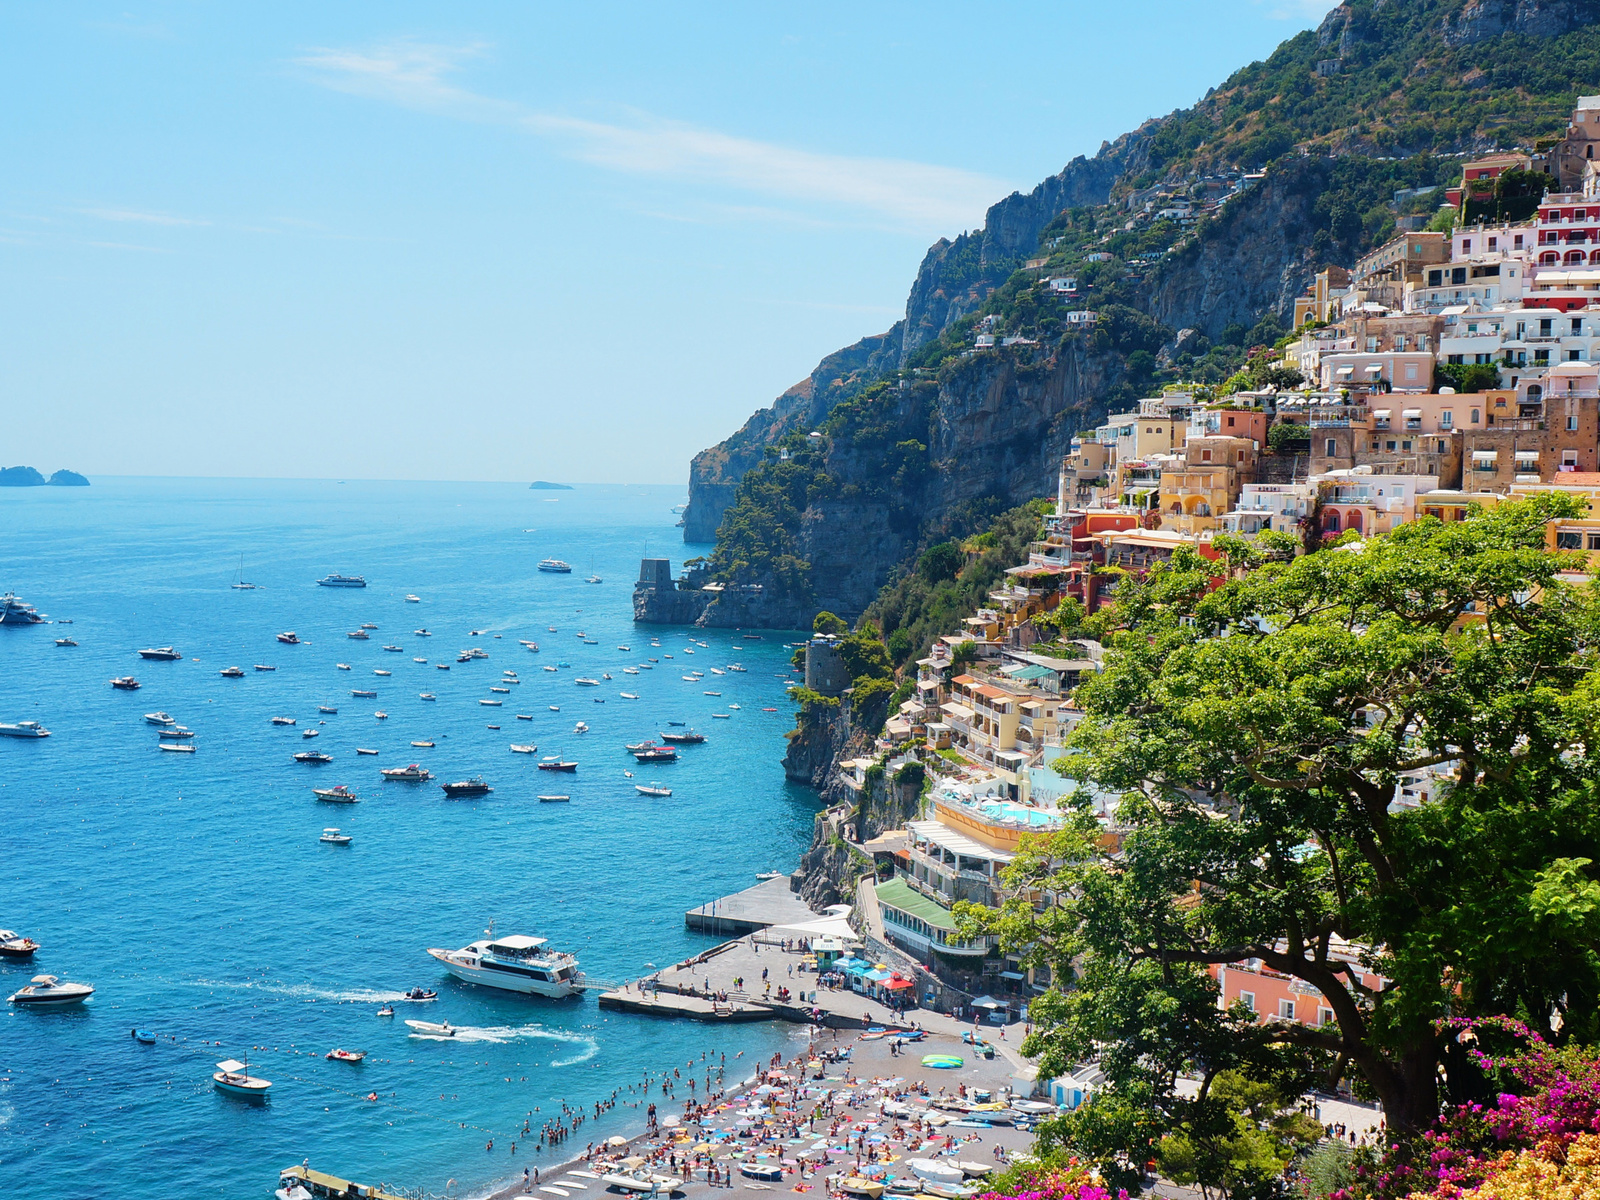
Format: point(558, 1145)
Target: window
point(1593, 540)
point(1325, 1015)
point(1248, 999)
point(1447, 419)
point(1436, 278)
point(1230, 421)
point(1494, 243)
point(1475, 417)
point(1577, 325)
point(1389, 446)
point(1205, 456)
point(1458, 274)
point(1286, 1009)
point(1405, 445)
point(1466, 245)
point(1331, 448)
point(1240, 457)
point(1569, 458)
point(1572, 425)
point(1572, 355)
point(1546, 325)
point(1516, 242)
point(1569, 539)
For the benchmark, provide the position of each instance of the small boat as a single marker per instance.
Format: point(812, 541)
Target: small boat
point(360, 635)
point(736, 667)
point(289, 638)
point(426, 696)
point(143, 1036)
point(368, 625)
point(313, 756)
point(423, 661)
point(641, 1181)
point(364, 695)
point(333, 837)
point(555, 799)
point(491, 703)
point(125, 683)
point(418, 995)
point(177, 747)
point(14, 945)
point(714, 671)
point(336, 795)
point(175, 731)
point(935, 1172)
point(381, 672)
point(516, 749)
point(410, 599)
point(326, 708)
point(524, 716)
point(719, 716)
point(264, 667)
point(355, 581)
point(411, 774)
point(656, 754)
point(856, 1186)
point(47, 991)
point(342, 666)
point(625, 649)
point(382, 716)
point(231, 673)
point(593, 579)
point(580, 727)
point(23, 729)
point(234, 1078)
point(630, 670)
point(687, 738)
point(582, 682)
point(628, 695)
point(605, 674)
point(711, 693)
point(975, 1170)
point(466, 787)
point(733, 706)
point(652, 789)
point(349, 1056)
point(556, 764)
point(283, 720)
point(442, 666)
point(550, 669)
point(161, 654)
point(503, 690)
point(555, 708)
point(766, 875)
point(309, 733)
point(437, 1030)
point(65, 642)
point(422, 633)
point(386, 1011)
point(363, 750)
point(423, 745)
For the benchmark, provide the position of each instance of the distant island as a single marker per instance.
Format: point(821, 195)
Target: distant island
point(544, 485)
point(28, 477)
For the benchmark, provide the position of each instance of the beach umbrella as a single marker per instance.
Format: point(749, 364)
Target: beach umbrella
point(617, 1141)
point(633, 1160)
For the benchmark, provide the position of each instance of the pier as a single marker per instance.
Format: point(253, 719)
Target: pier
point(771, 902)
point(321, 1184)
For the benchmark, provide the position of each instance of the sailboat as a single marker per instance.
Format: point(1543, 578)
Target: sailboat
point(239, 584)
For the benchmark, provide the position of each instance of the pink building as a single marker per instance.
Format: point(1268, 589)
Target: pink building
point(1276, 997)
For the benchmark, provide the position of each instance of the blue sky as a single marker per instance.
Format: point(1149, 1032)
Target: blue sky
point(517, 240)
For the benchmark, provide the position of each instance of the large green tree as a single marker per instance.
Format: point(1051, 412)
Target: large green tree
point(1257, 733)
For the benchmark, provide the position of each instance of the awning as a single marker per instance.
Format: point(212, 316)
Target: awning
point(943, 836)
point(1347, 370)
point(959, 711)
point(1487, 456)
point(1012, 975)
point(1412, 414)
point(895, 985)
point(1374, 368)
point(1380, 414)
point(1527, 456)
point(987, 1002)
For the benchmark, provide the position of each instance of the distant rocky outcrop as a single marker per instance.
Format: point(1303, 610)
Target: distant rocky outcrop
point(29, 477)
point(544, 485)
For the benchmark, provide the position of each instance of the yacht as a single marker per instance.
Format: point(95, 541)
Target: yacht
point(514, 963)
point(14, 945)
point(290, 638)
point(411, 774)
point(234, 1077)
point(309, 733)
point(313, 756)
point(360, 635)
point(554, 566)
point(65, 642)
point(368, 625)
point(14, 612)
point(161, 654)
point(593, 579)
point(232, 672)
point(466, 787)
point(688, 737)
point(46, 991)
point(342, 581)
point(239, 583)
point(23, 729)
point(334, 838)
point(413, 599)
point(125, 683)
point(582, 682)
point(336, 795)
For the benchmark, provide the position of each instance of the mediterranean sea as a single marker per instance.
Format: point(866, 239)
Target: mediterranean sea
point(191, 889)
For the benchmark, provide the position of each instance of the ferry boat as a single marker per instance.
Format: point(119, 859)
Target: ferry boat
point(341, 581)
point(554, 566)
point(125, 683)
point(23, 729)
point(514, 963)
point(232, 672)
point(336, 795)
point(47, 991)
point(14, 945)
point(466, 787)
point(411, 774)
point(161, 654)
point(234, 1078)
point(14, 612)
point(289, 638)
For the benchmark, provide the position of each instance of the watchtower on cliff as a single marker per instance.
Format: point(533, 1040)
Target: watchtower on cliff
point(655, 573)
point(825, 669)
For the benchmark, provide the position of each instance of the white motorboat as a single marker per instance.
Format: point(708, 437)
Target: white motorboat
point(581, 682)
point(381, 672)
point(641, 1181)
point(413, 599)
point(48, 991)
point(308, 733)
point(360, 635)
point(177, 747)
point(233, 1077)
point(935, 1172)
point(334, 838)
point(652, 789)
point(514, 963)
point(342, 666)
point(336, 795)
point(516, 749)
point(436, 1028)
point(410, 774)
point(23, 729)
point(628, 695)
point(581, 727)
point(426, 696)
point(283, 720)
point(158, 718)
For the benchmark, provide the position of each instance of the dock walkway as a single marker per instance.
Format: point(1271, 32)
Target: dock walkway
point(321, 1184)
point(769, 903)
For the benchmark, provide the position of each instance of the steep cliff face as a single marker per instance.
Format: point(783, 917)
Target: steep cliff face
point(1480, 20)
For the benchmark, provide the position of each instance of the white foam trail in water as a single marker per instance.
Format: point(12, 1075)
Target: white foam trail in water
point(500, 1034)
point(307, 992)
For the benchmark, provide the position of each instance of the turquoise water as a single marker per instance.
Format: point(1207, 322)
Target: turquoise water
point(192, 892)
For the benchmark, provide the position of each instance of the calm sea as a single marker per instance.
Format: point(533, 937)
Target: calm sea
point(192, 892)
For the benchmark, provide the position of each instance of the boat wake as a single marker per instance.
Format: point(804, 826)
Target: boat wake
point(307, 992)
point(500, 1034)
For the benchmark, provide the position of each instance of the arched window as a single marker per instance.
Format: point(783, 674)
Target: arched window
point(1588, 151)
point(1202, 509)
point(1549, 258)
point(1574, 258)
point(1534, 392)
point(1177, 508)
point(1594, 257)
point(1355, 520)
point(1330, 520)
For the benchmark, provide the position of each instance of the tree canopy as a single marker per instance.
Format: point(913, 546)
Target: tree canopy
point(1259, 734)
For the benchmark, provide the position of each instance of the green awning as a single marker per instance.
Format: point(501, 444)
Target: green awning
point(897, 893)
